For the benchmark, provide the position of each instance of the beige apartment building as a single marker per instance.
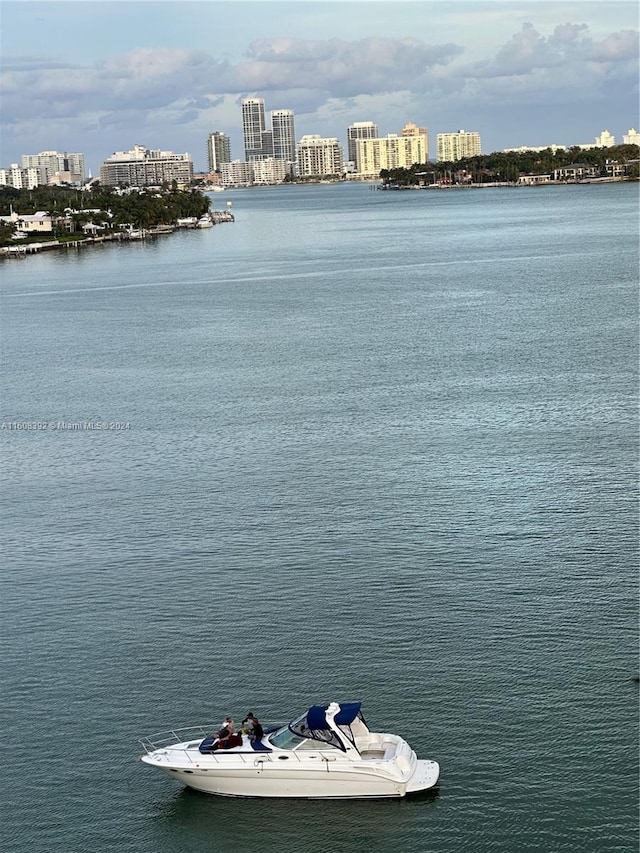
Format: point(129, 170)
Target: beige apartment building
point(359, 130)
point(457, 146)
point(318, 157)
point(390, 152)
point(237, 173)
point(22, 179)
point(411, 129)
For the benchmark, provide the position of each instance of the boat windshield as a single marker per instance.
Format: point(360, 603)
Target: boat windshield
point(285, 739)
point(325, 736)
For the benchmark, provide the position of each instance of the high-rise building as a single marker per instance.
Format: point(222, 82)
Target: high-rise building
point(390, 152)
point(269, 170)
point(266, 141)
point(218, 149)
point(359, 130)
point(22, 178)
point(144, 166)
point(411, 129)
point(605, 140)
point(457, 146)
point(318, 157)
point(237, 173)
point(54, 163)
point(632, 137)
point(284, 135)
point(253, 127)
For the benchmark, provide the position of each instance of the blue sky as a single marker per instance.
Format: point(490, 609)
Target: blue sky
point(101, 76)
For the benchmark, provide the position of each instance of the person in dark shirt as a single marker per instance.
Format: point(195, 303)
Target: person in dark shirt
point(251, 725)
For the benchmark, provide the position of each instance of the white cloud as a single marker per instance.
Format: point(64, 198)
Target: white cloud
point(330, 82)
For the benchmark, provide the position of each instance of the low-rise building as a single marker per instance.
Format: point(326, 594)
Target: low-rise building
point(533, 180)
point(575, 172)
point(40, 222)
point(535, 149)
point(613, 169)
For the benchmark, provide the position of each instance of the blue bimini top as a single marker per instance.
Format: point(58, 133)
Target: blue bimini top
point(316, 715)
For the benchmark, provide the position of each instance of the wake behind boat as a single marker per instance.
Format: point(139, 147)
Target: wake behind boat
point(328, 752)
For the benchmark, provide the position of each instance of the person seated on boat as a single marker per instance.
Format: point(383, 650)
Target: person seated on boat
point(251, 726)
point(228, 724)
point(223, 735)
point(247, 723)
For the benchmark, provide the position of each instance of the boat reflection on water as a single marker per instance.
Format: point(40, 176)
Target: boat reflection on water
point(191, 819)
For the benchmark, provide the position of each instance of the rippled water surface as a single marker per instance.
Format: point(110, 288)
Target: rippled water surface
point(380, 446)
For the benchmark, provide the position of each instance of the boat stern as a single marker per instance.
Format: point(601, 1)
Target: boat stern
point(425, 776)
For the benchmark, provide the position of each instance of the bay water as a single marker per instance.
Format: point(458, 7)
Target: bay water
point(357, 445)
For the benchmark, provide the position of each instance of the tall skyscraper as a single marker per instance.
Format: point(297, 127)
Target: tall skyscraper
point(219, 150)
point(266, 141)
point(359, 130)
point(457, 146)
point(284, 135)
point(253, 127)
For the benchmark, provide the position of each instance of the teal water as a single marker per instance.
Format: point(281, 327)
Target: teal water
point(378, 446)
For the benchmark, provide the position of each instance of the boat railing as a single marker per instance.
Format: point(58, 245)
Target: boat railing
point(166, 744)
point(224, 756)
point(161, 740)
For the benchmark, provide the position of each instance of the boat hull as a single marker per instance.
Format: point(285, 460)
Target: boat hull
point(331, 781)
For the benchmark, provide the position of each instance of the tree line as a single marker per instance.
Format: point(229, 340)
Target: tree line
point(508, 167)
point(140, 208)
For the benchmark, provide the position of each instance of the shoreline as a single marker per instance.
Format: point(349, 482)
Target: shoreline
point(134, 235)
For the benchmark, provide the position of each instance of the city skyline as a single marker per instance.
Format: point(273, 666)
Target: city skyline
point(531, 74)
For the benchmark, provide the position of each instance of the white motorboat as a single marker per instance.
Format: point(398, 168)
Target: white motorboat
point(205, 221)
point(328, 752)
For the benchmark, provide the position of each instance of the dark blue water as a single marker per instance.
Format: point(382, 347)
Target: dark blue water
point(377, 446)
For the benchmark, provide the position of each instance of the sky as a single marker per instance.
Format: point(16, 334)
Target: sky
point(102, 76)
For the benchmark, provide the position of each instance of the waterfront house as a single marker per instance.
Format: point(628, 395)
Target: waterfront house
point(575, 172)
point(533, 180)
point(30, 223)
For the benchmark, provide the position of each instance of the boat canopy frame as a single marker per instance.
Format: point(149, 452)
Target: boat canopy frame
point(313, 725)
